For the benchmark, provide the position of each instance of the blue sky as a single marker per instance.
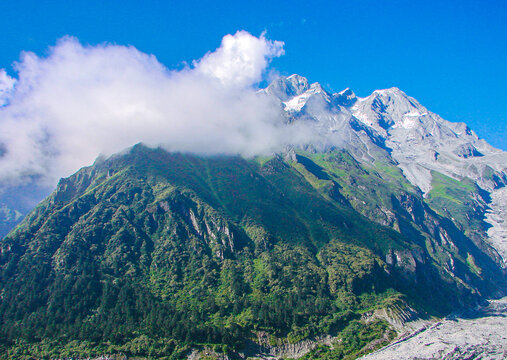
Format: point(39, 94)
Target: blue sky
point(450, 55)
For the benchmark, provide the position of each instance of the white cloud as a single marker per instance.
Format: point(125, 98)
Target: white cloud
point(240, 60)
point(81, 101)
point(6, 86)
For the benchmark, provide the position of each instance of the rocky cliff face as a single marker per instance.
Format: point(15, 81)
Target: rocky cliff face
point(461, 177)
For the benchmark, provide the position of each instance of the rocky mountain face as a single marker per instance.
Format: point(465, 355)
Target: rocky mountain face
point(429, 150)
point(322, 250)
point(417, 139)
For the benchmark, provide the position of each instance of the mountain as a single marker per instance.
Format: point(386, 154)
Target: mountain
point(436, 156)
point(417, 139)
point(339, 242)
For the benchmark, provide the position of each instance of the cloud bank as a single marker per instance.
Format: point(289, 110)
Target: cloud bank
point(65, 109)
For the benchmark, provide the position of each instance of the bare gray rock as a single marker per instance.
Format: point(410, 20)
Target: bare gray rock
point(496, 216)
point(478, 334)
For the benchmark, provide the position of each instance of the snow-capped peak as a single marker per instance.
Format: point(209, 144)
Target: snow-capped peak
point(390, 120)
point(391, 90)
point(297, 102)
point(345, 97)
point(299, 82)
point(294, 91)
point(347, 92)
point(388, 108)
point(285, 88)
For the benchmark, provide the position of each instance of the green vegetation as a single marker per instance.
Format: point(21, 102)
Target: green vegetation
point(356, 340)
point(368, 189)
point(150, 254)
point(455, 199)
point(449, 223)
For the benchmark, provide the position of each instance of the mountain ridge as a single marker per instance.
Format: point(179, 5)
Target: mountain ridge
point(158, 254)
point(390, 124)
point(152, 219)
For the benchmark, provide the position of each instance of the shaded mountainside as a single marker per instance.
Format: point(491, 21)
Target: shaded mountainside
point(150, 253)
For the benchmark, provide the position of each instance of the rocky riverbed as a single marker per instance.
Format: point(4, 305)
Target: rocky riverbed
point(475, 334)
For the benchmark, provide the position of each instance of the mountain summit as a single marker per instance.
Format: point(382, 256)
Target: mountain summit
point(419, 140)
point(392, 214)
point(391, 125)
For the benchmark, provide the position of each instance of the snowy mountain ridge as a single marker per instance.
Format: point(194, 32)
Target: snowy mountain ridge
point(390, 124)
point(418, 139)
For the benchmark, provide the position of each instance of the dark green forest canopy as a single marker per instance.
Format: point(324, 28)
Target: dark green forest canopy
point(150, 253)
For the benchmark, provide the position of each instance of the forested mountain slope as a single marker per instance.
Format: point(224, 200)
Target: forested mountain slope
point(152, 254)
